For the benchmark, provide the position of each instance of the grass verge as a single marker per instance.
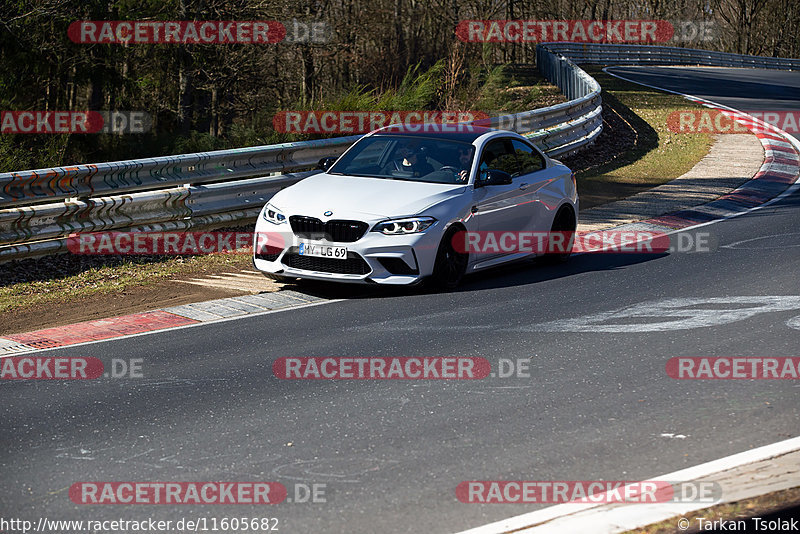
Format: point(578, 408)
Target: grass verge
point(60, 289)
point(114, 275)
point(636, 150)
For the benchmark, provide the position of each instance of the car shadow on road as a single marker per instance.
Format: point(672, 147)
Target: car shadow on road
point(512, 275)
point(537, 271)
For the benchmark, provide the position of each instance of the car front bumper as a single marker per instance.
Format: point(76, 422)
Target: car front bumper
point(374, 259)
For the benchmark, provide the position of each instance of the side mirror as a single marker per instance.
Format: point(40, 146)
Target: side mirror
point(496, 177)
point(325, 163)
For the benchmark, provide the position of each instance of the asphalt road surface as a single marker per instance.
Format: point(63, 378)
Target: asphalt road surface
point(598, 403)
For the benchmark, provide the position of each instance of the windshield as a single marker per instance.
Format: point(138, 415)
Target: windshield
point(412, 158)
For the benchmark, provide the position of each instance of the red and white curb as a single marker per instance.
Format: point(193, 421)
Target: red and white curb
point(154, 321)
point(780, 170)
point(778, 177)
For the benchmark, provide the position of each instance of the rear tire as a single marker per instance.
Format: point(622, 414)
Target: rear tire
point(450, 265)
point(563, 222)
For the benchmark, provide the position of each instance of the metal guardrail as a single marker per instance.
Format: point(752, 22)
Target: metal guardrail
point(84, 181)
point(609, 54)
point(39, 209)
point(579, 121)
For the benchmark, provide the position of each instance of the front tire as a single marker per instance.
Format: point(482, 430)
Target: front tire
point(450, 265)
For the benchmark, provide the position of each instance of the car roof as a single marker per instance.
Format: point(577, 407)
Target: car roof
point(465, 133)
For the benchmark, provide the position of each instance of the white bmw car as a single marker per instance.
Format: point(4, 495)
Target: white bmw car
point(388, 209)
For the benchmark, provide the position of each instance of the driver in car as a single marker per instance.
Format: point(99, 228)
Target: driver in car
point(464, 163)
point(412, 161)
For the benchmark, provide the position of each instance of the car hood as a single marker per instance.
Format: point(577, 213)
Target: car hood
point(353, 196)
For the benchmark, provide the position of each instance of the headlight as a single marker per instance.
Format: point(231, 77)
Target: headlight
point(410, 225)
point(271, 214)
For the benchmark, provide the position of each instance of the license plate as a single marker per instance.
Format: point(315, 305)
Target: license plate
point(323, 251)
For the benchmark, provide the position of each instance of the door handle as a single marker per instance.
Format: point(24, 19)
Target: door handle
point(523, 186)
point(474, 209)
